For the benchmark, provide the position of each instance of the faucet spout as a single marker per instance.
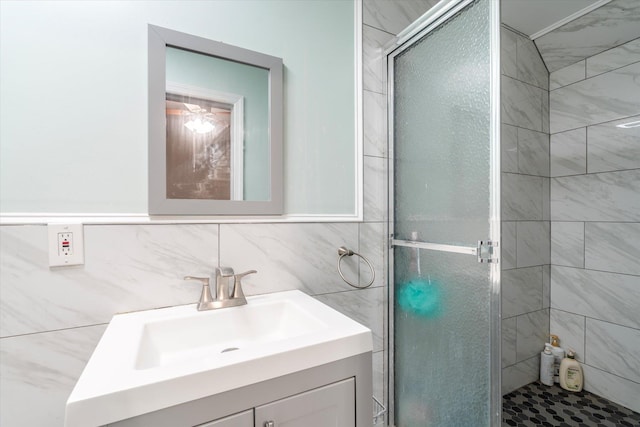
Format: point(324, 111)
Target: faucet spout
point(223, 276)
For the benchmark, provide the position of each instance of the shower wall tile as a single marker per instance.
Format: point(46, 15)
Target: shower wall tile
point(531, 68)
point(568, 152)
point(590, 34)
point(611, 196)
point(525, 194)
point(289, 256)
point(599, 295)
point(546, 286)
point(509, 149)
point(521, 197)
point(570, 329)
point(617, 93)
point(375, 115)
point(613, 387)
point(613, 348)
point(616, 57)
point(533, 152)
point(567, 75)
point(546, 195)
point(40, 370)
point(595, 281)
point(508, 251)
point(546, 120)
point(508, 52)
point(521, 104)
point(373, 61)
point(395, 16)
point(521, 291)
point(533, 332)
point(144, 270)
point(364, 306)
point(614, 247)
point(375, 189)
point(373, 246)
point(612, 148)
point(520, 374)
point(567, 243)
point(533, 245)
point(508, 342)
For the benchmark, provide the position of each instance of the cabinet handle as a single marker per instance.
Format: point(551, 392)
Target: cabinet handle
point(269, 424)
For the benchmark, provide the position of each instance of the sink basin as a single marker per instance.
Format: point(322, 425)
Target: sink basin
point(179, 339)
point(151, 360)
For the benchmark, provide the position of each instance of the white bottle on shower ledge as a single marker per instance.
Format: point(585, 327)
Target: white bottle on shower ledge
point(546, 365)
point(558, 355)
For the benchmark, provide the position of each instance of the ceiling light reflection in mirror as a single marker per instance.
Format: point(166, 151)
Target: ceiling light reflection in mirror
point(220, 150)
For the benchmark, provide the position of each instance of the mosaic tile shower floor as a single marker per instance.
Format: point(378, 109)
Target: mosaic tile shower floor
point(538, 405)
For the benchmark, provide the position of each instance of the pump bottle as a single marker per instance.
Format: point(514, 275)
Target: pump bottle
point(571, 378)
point(558, 355)
point(546, 365)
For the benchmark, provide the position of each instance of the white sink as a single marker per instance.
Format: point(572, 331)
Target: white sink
point(154, 359)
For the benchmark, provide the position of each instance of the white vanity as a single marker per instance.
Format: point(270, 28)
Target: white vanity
point(284, 359)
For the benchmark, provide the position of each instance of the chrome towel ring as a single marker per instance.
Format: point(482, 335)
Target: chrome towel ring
point(343, 252)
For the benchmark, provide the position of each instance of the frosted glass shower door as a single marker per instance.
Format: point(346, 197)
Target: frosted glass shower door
point(444, 86)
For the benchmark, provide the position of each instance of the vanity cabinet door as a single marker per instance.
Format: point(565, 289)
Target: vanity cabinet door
point(329, 406)
point(243, 419)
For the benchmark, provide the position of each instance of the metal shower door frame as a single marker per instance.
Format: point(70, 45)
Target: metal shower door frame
point(428, 22)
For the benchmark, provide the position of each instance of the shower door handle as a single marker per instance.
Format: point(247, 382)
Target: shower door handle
point(468, 250)
point(485, 250)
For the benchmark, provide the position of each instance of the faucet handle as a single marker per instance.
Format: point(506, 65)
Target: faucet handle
point(204, 280)
point(237, 284)
point(205, 296)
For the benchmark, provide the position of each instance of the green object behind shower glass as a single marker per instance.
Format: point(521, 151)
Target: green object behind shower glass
point(420, 297)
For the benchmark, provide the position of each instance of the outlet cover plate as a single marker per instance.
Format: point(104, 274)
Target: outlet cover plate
point(72, 251)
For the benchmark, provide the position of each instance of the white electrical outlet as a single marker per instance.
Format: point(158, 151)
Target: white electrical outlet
point(66, 244)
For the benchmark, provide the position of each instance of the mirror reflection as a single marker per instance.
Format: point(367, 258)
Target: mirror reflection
point(199, 149)
point(217, 128)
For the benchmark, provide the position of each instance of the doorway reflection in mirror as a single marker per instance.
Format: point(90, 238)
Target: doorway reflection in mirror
point(199, 149)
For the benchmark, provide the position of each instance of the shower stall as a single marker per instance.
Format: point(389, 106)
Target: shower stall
point(541, 156)
point(444, 104)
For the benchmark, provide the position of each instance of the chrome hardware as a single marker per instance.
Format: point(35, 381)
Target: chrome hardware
point(223, 274)
point(223, 298)
point(343, 252)
point(237, 284)
point(269, 424)
point(205, 296)
point(486, 251)
point(435, 246)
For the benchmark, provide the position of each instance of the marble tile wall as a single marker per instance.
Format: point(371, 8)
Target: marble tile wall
point(525, 209)
point(590, 34)
point(51, 319)
point(595, 214)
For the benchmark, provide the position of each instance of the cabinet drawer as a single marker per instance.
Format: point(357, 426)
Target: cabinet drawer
point(331, 405)
point(243, 419)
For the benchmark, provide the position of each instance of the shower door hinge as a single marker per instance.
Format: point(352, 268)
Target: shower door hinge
point(486, 251)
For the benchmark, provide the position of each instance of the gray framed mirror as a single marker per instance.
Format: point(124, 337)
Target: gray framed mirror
point(215, 127)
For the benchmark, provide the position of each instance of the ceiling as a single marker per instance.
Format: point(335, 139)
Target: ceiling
point(531, 17)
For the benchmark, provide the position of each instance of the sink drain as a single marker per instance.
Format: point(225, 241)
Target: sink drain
point(229, 349)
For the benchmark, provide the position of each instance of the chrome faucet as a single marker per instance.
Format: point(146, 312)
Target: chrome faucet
point(224, 297)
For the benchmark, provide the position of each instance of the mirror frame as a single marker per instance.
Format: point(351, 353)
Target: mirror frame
point(159, 204)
